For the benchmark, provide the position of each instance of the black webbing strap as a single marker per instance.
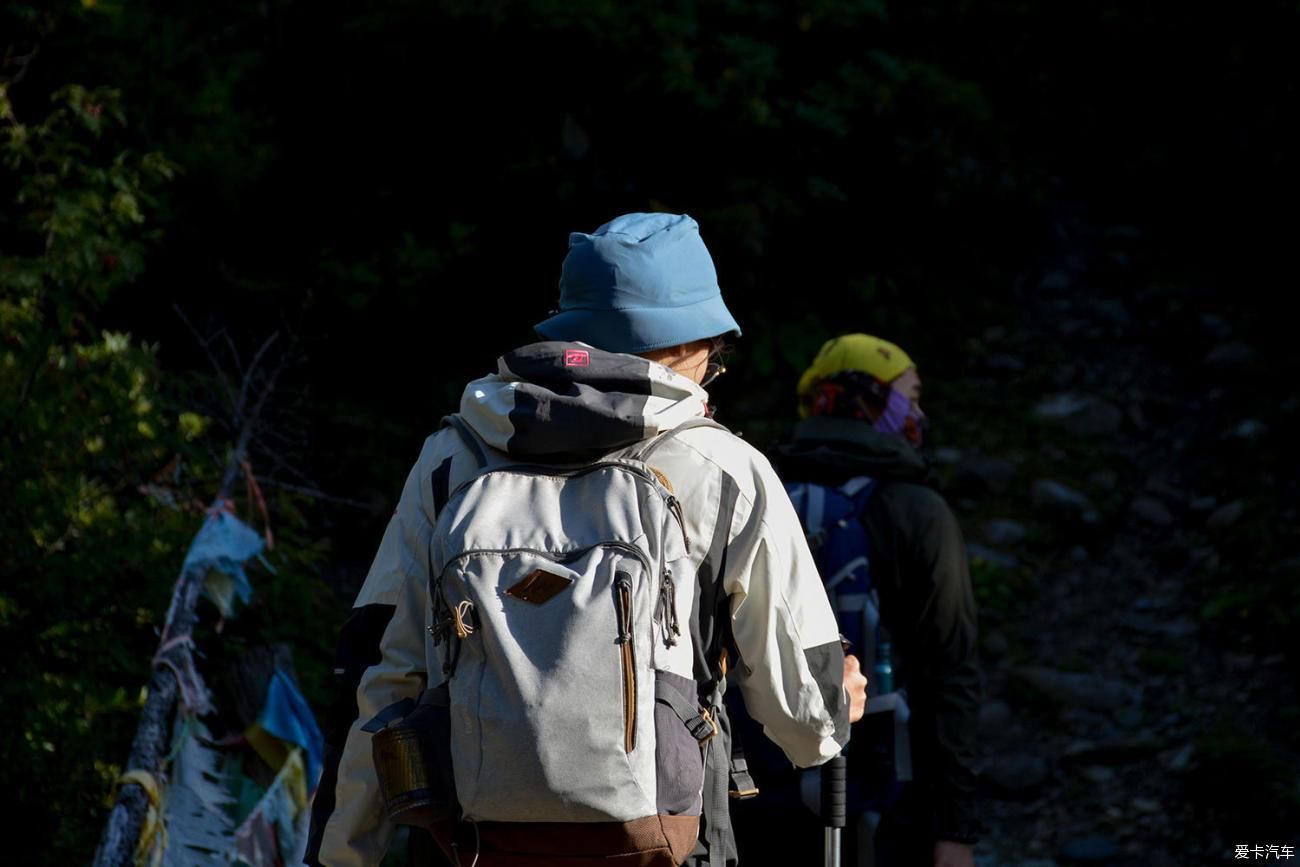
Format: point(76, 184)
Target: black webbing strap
point(743, 786)
point(715, 823)
point(396, 710)
point(698, 721)
point(468, 436)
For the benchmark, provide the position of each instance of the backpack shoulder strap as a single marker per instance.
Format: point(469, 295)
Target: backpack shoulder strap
point(650, 446)
point(860, 489)
point(471, 440)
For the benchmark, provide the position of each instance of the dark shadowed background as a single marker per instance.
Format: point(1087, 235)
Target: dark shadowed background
point(1079, 221)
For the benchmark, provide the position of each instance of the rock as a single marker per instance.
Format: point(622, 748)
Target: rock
point(1147, 805)
point(1177, 760)
point(1089, 850)
point(1064, 375)
point(1205, 558)
point(1215, 327)
point(1152, 511)
point(1128, 233)
point(1081, 415)
point(946, 456)
point(1055, 281)
point(1240, 662)
point(1082, 720)
point(1231, 357)
point(1002, 362)
point(1003, 531)
point(1097, 773)
point(1136, 415)
point(1226, 516)
point(983, 859)
point(1054, 496)
point(988, 555)
point(1147, 625)
point(1113, 311)
point(1076, 690)
point(574, 138)
point(994, 716)
point(1113, 751)
point(1019, 774)
point(1203, 504)
point(1105, 479)
point(1183, 627)
point(1249, 430)
point(1079, 554)
point(995, 474)
point(996, 645)
point(1129, 717)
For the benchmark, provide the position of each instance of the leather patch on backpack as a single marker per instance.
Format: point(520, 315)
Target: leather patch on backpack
point(539, 586)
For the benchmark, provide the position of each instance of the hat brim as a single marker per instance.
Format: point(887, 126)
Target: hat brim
point(641, 329)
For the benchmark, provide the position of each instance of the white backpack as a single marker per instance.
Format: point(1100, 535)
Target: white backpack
point(557, 619)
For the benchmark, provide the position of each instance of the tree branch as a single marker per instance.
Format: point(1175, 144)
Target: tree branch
point(212, 358)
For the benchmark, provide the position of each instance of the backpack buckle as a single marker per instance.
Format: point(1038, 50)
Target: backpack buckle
point(698, 730)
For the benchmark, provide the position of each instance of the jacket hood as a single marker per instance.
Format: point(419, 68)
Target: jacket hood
point(567, 402)
point(823, 449)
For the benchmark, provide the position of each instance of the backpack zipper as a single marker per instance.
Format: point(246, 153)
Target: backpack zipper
point(564, 557)
point(553, 472)
point(623, 608)
point(668, 608)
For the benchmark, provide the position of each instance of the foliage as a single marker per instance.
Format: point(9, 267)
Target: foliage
point(104, 474)
point(90, 559)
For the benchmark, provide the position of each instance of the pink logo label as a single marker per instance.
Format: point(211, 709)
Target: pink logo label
point(576, 358)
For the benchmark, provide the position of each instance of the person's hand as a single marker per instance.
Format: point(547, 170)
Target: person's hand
point(950, 854)
point(855, 684)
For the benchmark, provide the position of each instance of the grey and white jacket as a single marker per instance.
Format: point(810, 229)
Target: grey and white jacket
point(757, 595)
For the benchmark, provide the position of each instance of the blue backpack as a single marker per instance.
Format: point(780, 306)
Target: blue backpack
point(879, 754)
point(831, 519)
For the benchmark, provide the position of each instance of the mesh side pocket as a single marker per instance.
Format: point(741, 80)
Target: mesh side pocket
point(679, 761)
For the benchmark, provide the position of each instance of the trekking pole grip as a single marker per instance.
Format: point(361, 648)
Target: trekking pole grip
point(835, 792)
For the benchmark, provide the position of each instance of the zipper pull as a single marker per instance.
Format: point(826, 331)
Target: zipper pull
point(623, 597)
point(676, 508)
point(668, 604)
point(461, 620)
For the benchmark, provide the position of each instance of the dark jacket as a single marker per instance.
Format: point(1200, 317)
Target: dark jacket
point(918, 565)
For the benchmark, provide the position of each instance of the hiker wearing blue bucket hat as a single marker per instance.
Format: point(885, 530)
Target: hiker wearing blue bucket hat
point(579, 562)
point(640, 283)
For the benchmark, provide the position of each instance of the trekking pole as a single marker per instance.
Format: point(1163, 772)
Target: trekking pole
point(834, 806)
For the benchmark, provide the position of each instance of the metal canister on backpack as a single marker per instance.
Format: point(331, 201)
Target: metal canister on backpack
point(412, 761)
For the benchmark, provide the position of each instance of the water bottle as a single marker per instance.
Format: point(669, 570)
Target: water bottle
point(884, 669)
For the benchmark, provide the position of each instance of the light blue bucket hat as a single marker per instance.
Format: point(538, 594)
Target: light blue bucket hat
point(639, 282)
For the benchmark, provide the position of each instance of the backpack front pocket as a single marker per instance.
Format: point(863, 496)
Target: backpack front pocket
point(545, 698)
